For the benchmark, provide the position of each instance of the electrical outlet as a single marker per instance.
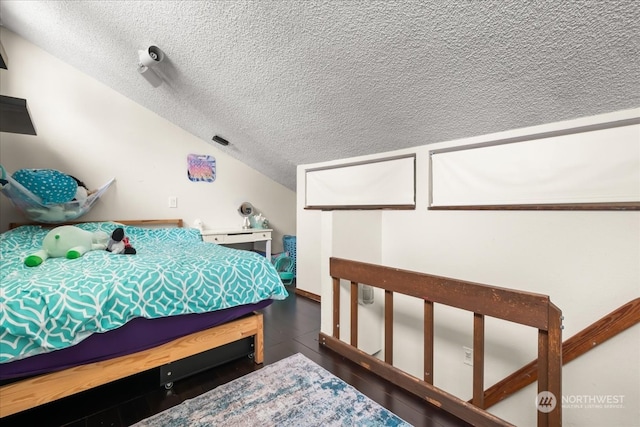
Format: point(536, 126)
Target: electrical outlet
point(173, 202)
point(468, 356)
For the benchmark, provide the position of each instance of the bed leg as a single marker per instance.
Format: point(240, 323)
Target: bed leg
point(258, 357)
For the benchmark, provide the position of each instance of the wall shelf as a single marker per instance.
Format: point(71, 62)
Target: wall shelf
point(15, 117)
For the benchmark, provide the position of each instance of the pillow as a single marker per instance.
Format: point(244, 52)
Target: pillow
point(50, 185)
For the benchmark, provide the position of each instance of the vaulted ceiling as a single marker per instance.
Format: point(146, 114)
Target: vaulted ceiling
point(289, 82)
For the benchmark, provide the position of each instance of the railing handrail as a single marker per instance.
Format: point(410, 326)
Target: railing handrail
point(522, 307)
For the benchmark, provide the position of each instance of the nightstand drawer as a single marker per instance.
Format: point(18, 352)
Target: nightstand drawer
point(247, 237)
point(214, 238)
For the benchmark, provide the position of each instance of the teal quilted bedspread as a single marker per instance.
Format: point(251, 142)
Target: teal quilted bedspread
point(61, 302)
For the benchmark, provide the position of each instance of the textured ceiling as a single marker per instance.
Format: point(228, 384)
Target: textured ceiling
point(294, 82)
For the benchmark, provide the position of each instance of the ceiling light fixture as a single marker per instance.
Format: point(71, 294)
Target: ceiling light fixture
point(148, 58)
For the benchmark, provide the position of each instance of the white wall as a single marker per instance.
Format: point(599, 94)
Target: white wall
point(356, 236)
point(588, 262)
point(90, 131)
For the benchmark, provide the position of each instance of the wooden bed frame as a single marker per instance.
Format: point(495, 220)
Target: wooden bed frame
point(31, 392)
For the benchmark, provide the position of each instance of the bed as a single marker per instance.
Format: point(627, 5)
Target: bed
point(178, 304)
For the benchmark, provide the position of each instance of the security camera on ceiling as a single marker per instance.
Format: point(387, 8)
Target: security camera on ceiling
point(147, 59)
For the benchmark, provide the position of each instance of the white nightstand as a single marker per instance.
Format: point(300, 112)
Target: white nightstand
point(248, 235)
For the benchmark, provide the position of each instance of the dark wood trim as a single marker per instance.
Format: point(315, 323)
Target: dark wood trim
point(618, 206)
point(308, 295)
point(595, 334)
point(422, 389)
point(361, 207)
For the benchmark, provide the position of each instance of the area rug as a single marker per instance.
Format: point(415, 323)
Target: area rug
point(291, 392)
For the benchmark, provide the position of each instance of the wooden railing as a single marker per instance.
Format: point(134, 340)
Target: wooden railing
point(524, 308)
point(600, 331)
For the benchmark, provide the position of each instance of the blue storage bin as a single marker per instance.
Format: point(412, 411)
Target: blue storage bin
point(289, 245)
point(284, 265)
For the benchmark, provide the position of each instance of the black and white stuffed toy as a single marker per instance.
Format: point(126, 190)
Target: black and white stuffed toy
point(119, 243)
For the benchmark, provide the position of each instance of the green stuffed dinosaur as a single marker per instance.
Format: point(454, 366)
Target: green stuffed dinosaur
point(67, 241)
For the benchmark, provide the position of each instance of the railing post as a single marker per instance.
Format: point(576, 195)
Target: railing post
point(354, 314)
point(549, 399)
point(388, 327)
point(478, 360)
point(336, 307)
point(428, 342)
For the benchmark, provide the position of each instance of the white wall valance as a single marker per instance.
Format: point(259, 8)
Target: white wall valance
point(375, 184)
point(600, 166)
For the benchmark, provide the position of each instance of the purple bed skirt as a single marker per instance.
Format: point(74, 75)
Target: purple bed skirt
point(137, 335)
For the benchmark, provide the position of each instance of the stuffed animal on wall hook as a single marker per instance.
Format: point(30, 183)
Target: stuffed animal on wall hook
point(119, 243)
point(67, 241)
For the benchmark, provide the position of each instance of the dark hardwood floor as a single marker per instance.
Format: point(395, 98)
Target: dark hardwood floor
point(291, 326)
